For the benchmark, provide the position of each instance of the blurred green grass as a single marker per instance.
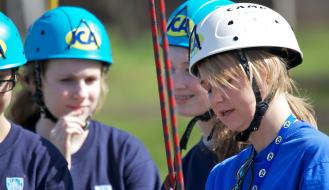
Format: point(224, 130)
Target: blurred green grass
point(133, 102)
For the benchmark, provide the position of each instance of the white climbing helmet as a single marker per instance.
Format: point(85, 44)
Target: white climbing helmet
point(243, 25)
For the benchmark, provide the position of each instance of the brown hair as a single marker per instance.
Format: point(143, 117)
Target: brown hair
point(225, 143)
point(24, 108)
point(216, 69)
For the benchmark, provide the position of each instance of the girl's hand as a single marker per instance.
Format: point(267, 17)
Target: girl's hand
point(66, 127)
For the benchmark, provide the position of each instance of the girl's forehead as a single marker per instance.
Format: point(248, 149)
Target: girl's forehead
point(76, 68)
point(65, 65)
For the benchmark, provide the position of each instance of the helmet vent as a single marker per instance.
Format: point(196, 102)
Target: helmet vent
point(235, 38)
point(42, 32)
point(276, 21)
point(230, 22)
point(37, 49)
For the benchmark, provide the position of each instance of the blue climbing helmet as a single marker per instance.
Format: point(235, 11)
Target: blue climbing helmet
point(11, 47)
point(188, 14)
point(179, 27)
point(68, 32)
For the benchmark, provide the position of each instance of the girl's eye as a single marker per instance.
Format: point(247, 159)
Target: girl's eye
point(66, 80)
point(230, 80)
point(90, 80)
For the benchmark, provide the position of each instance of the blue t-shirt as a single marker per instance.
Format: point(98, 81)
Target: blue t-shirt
point(197, 165)
point(111, 159)
point(302, 162)
point(27, 161)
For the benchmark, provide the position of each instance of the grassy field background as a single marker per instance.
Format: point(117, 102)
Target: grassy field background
point(133, 102)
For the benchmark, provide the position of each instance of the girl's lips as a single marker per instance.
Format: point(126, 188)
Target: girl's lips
point(225, 113)
point(76, 107)
point(181, 99)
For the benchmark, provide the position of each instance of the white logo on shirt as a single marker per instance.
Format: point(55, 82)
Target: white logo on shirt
point(15, 183)
point(103, 187)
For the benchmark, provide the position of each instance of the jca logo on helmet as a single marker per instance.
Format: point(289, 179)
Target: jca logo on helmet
point(83, 38)
point(180, 26)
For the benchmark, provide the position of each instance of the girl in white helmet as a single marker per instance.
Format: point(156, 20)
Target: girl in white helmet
point(28, 161)
point(242, 54)
point(216, 141)
point(69, 55)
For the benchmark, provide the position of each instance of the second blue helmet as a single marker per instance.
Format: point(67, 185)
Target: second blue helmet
point(188, 14)
point(11, 47)
point(68, 32)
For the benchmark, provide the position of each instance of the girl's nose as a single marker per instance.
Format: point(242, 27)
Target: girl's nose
point(216, 96)
point(80, 90)
point(179, 81)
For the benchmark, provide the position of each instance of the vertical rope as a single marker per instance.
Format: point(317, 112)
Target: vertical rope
point(156, 49)
point(169, 83)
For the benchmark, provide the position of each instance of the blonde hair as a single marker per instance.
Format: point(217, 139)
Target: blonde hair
point(224, 142)
point(219, 68)
point(24, 107)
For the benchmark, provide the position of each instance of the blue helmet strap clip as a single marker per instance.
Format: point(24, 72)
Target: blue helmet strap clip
point(38, 95)
point(74, 33)
point(261, 105)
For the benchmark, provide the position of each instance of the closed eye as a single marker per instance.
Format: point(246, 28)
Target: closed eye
point(90, 80)
point(65, 80)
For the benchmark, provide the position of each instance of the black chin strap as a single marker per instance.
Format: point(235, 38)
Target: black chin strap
point(204, 117)
point(38, 95)
point(261, 105)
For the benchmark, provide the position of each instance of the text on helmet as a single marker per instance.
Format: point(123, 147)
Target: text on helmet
point(83, 38)
point(245, 7)
point(180, 26)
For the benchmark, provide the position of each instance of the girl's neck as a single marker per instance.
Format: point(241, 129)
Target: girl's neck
point(206, 128)
point(271, 123)
point(4, 127)
point(43, 127)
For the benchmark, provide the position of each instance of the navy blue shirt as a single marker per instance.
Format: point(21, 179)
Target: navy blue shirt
point(197, 165)
point(27, 161)
point(111, 159)
point(302, 162)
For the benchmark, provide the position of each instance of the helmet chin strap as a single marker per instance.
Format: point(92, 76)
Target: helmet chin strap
point(261, 105)
point(204, 117)
point(38, 95)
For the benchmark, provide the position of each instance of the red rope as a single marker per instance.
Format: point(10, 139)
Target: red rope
point(156, 49)
point(169, 82)
point(169, 85)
